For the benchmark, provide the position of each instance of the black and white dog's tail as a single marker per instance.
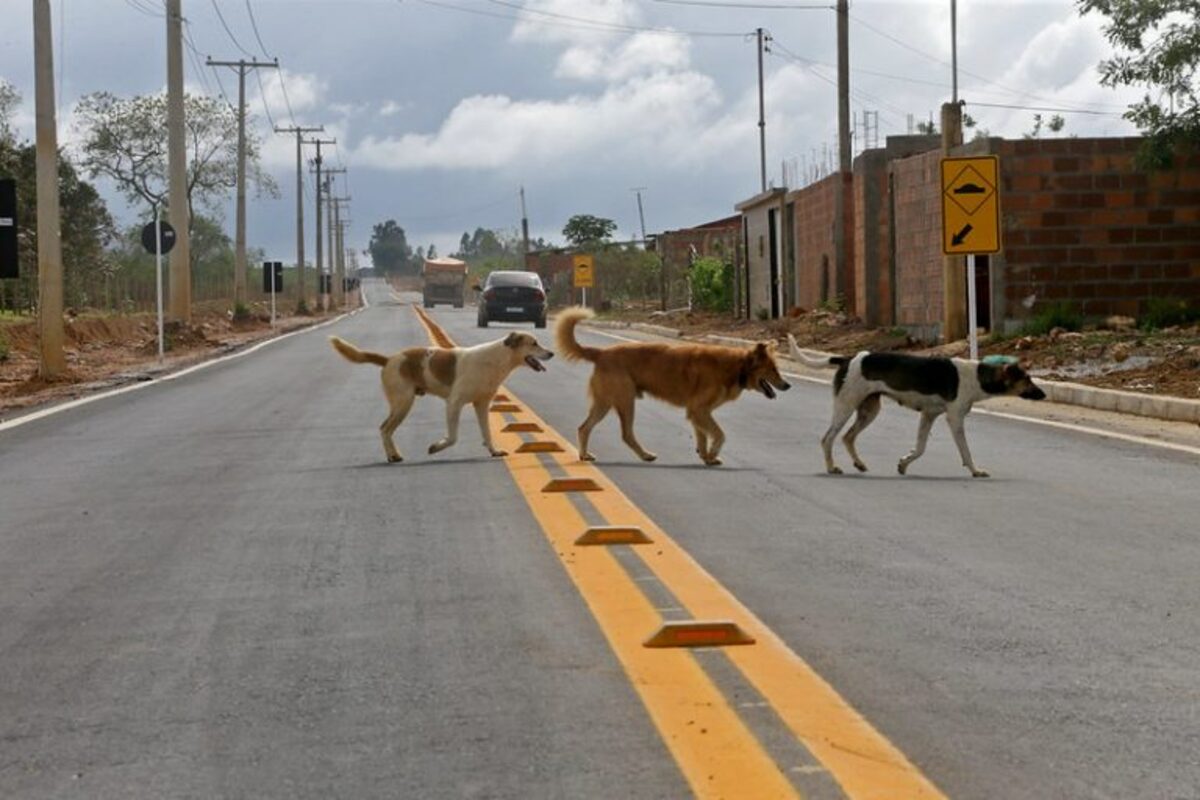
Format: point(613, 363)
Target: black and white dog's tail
point(809, 361)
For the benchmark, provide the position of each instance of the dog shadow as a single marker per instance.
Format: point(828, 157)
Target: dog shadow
point(667, 465)
point(879, 476)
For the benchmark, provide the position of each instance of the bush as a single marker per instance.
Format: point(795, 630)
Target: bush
point(712, 284)
point(1058, 315)
point(1165, 312)
point(3, 348)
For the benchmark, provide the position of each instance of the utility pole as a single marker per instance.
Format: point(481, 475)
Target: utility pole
point(331, 223)
point(954, 279)
point(301, 303)
point(178, 209)
point(337, 262)
point(317, 163)
point(641, 213)
point(49, 242)
point(842, 231)
point(341, 250)
point(524, 231)
point(239, 258)
point(762, 121)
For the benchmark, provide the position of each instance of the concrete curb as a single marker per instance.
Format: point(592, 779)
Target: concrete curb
point(1177, 409)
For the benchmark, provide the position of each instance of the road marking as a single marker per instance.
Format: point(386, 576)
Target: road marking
point(1067, 426)
point(170, 376)
point(719, 756)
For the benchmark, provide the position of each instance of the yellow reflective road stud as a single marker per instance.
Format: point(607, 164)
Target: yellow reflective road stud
point(971, 205)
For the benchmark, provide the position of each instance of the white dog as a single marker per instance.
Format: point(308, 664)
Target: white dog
point(931, 386)
point(460, 375)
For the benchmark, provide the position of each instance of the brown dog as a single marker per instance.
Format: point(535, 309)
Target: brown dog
point(460, 375)
point(697, 377)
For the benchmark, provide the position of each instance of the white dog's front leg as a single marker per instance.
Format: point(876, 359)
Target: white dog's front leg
point(923, 430)
point(453, 411)
point(481, 413)
point(955, 421)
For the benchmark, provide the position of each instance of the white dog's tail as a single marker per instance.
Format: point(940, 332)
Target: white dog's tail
point(809, 361)
point(352, 353)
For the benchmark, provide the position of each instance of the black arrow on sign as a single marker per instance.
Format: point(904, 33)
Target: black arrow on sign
point(957, 238)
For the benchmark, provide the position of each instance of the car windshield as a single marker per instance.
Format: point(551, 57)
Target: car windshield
point(514, 279)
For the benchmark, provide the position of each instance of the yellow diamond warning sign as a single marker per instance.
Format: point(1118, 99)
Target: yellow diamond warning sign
point(971, 205)
point(584, 271)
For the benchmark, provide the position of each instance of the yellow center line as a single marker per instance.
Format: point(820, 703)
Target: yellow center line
point(725, 761)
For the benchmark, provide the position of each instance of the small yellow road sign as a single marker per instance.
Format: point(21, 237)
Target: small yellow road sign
point(584, 272)
point(971, 205)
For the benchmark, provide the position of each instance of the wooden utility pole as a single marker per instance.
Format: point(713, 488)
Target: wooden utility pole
point(317, 164)
point(336, 293)
point(301, 302)
point(842, 231)
point(178, 209)
point(524, 231)
point(49, 241)
point(239, 256)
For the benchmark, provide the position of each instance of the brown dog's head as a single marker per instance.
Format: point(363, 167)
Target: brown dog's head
point(759, 371)
point(526, 348)
point(1006, 377)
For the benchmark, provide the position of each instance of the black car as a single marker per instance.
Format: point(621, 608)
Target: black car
point(512, 297)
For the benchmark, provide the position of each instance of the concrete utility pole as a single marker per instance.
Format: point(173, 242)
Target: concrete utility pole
point(641, 213)
point(317, 164)
point(239, 258)
point(842, 231)
point(336, 262)
point(178, 211)
point(954, 279)
point(762, 120)
point(524, 230)
point(301, 303)
point(331, 223)
point(49, 242)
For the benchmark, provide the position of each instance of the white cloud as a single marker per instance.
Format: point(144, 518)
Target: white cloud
point(391, 108)
point(636, 55)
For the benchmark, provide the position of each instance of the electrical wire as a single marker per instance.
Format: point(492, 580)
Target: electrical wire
point(612, 26)
point(225, 25)
point(768, 6)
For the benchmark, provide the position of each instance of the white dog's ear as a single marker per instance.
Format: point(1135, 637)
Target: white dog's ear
point(513, 340)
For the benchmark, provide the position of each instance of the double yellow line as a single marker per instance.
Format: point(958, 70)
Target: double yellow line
point(716, 750)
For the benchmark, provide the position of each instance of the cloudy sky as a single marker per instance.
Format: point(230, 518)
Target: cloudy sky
point(443, 108)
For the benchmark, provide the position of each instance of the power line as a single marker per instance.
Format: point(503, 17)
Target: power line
point(777, 6)
point(225, 25)
point(580, 23)
point(613, 26)
point(254, 25)
point(1046, 108)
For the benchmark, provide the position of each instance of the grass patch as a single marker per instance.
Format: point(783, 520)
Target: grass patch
point(4, 350)
point(1058, 315)
point(1165, 312)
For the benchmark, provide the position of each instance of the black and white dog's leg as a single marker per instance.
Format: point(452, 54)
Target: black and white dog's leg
point(841, 412)
point(955, 421)
point(453, 411)
point(923, 430)
point(481, 414)
point(867, 411)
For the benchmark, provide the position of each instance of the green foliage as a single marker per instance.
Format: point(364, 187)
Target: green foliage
point(1055, 124)
point(762, 313)
point(1057, 315)
point(625, 272)
point(1158, 47)
point(834, 304)
point(712, 284)
point(4, 350)
point(584, 229)
point(241, 312)
point(391, 252)
point(1166, 312)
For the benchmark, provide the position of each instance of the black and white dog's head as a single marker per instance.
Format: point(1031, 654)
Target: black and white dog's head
point(1007, 378)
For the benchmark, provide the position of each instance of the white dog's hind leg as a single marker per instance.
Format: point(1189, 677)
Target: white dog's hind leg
point(922, 438)
point(841, 413)
point(955, 421)
point(453, 411)
point(400, 409)
point(481, 414)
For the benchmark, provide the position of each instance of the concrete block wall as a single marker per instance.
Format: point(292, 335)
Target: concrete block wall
point(1083, 225)
point(917, 211)
point(817, 277)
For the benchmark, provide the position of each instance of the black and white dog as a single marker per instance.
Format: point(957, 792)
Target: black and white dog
point(930, 386)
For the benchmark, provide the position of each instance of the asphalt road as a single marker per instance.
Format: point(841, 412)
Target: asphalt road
point(215, 587)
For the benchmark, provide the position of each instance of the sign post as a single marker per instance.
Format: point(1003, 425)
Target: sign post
point(971, 220)
point(158, 237)
point(584, 273)
point(8, 229)
point(272, 282)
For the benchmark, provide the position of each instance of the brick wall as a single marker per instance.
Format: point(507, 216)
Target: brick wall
point(872, 240)
point(1083, 226)
point(916, 202)
point(815, 245)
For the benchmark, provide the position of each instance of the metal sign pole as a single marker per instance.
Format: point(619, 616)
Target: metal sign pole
point(972, 311)
point(274, 288)
point(159, 276)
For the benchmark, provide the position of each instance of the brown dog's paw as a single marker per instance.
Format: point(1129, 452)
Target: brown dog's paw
point(860, 466)
point(499, 453)
point(395, 459)
point(586, 457)
point(713, 462)
point(835, 470)
point(648, 457)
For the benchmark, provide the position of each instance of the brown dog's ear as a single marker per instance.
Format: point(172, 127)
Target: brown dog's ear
point(761, 350)
point(513, 340)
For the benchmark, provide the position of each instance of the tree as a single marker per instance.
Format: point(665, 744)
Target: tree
point(125, 140)
point(1055, 124)
point(10, 98)
point(584, 229)
point(390, 251)
point(1158, 43)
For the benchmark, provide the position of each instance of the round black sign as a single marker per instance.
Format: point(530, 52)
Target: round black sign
point(168, 237)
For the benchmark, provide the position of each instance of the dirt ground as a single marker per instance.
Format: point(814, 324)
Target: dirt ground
point(112, 349)
point(1114, 355)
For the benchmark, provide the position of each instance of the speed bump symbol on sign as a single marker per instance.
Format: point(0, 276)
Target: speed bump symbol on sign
point(584, 271)
point(971, 205)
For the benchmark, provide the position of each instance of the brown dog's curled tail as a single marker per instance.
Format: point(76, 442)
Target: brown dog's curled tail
point(352, 353)
point(564, 335)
